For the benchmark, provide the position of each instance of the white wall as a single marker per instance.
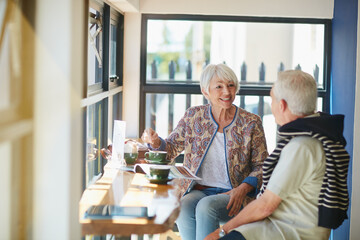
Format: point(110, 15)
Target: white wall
point(131, 73)
point(355, 197)
point(59, 76)
point(283, 8)
point(125, 5)
point(279, 8)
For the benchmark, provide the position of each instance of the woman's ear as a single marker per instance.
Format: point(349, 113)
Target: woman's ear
point(204, 93)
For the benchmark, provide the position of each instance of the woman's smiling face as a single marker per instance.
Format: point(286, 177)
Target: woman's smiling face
point(221, 93)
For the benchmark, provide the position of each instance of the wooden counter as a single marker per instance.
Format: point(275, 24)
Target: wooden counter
point(123, 188)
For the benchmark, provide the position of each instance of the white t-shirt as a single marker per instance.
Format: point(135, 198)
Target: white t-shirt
point(213, 169)
point(297, 180)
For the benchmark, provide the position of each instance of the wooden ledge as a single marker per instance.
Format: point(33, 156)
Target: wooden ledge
point(117, 187)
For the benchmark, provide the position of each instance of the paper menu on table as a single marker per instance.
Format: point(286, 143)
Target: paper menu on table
point(118, 142)
point(175, 171)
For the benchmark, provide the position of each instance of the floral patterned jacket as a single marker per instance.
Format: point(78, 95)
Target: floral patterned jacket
point(245, 145)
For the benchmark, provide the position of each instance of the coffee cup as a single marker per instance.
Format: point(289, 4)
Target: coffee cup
point(156, 156)
point(130, 152)
point(130, 158)
point(160, 172)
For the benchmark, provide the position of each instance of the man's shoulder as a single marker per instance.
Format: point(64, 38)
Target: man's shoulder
point(304, 141)
point(303, 146)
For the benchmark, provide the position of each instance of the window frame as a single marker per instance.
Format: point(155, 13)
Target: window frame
point(245, 90)
point(97, 87)
point(103, 92)
point(118, 20)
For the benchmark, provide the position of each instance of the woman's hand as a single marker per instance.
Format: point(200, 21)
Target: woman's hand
point(237, 196)
point(213, 236)
point(151, 137)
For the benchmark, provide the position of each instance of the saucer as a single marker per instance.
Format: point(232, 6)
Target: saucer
point(157, 162)
point(158, 181)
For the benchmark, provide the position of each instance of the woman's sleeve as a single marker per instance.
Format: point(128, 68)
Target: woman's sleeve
point(258, 151)
point(175, 143)
point(162, 146)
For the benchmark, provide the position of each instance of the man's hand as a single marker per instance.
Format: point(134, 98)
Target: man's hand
point(213, 236)
point(237, 196)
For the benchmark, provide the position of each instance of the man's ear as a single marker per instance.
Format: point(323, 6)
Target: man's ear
point(283, 105)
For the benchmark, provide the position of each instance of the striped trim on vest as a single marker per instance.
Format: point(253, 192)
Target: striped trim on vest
point(333, 198)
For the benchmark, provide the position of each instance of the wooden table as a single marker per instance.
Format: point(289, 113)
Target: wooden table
point(118, 187)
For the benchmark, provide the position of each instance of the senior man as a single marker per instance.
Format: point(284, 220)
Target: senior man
point(304, 192)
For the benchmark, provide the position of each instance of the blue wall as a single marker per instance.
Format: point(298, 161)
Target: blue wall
point(343, 74)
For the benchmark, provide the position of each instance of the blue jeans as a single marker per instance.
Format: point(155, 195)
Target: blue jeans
point(201, 212)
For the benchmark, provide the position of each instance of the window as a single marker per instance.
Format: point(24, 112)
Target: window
point(103, 101)
point(175, 49)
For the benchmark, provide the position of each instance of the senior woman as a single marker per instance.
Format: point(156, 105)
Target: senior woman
point(223, 145)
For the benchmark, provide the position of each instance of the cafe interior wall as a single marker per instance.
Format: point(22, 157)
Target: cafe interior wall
point(344, 86)
point(355, 199)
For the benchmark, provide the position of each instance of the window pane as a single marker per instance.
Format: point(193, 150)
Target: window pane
point(113, 29)
point(94, 131)
point(115, 113)
point(262, 107)
point(117, 106)
point(164, 119)
point(177, 50)
point(116, 49)
point(320, 104)
point(113, 71)
point(95, 48)
point(164, 111)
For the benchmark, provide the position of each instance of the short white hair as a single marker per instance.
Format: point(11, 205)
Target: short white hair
point(298, 89)
point(221, 71)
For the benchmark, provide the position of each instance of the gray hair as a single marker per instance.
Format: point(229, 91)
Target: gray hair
point(221, 71)
point(298, 89)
